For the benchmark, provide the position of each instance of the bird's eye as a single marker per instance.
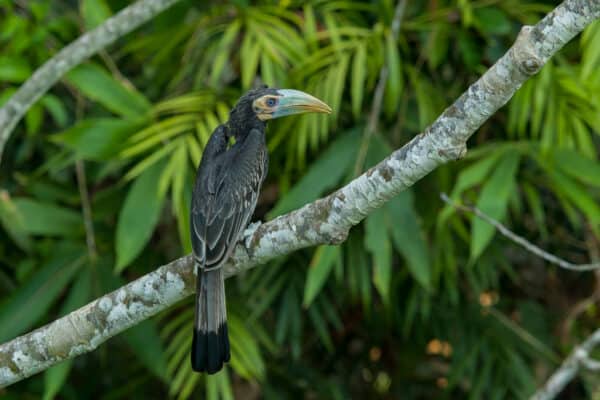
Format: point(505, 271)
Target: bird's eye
point(271, 102)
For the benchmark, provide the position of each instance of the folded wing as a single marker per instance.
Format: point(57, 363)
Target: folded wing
point(229, 192)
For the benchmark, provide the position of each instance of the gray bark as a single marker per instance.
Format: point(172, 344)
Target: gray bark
point(577, 360)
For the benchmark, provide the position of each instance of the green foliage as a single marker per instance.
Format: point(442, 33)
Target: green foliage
point(96, 84)
point(493, 201)
point(33, 299)
point(321, 265)
point(419, 302)
point(95, 139)
point(138, 217)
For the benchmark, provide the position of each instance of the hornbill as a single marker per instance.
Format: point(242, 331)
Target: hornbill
point(228, 180)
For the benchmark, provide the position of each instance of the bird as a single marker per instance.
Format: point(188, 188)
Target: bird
point(227, 185)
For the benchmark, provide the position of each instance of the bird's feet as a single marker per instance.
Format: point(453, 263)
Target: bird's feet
point(249, 233)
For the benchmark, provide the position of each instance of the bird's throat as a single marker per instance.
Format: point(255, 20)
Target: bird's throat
point(239, 127)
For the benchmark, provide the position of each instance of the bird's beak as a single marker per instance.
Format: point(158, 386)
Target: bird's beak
point(297, 102)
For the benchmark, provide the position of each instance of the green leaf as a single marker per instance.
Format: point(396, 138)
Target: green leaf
point(212, 388)
point(139, 216)
point(394, 84)
point(476, 173)
point(408, 237)
point(536, 206)
point(358, 270)
point(145, 342)
point(323, 174)
point(359, 73)
point(318, 322)
point(94, 12)
point(578, 196)
point(55, 377)
point(33, 300)
point(47, 218)
point(13, 222)
point(577, 166)
point(246, 358)
point(224, 386)
point(34, 118)
point(378, 244)
point(492, 20)
point(320, 267)
point(470, 51)
point(437, 44)
point(466, 9)
point(250, 53)
point(493, 201)
point(337, 83)
point(267, 69)
point(222, 54)
point(591, 50)
point(173, 170)
point(56, 109)
point(310, 27)
point(14, 69)
point(473, 175)
point(96, 139)
point(99, 86)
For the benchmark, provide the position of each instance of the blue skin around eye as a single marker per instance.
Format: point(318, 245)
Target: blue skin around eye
point(271, 102)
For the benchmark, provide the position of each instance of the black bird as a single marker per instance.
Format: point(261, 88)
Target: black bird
point(227, 186)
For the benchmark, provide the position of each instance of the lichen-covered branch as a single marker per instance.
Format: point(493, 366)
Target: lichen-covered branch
point(87, 45)
point(577, 360)
point(326, 220)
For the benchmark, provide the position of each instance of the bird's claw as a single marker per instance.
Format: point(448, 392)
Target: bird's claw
point(249, 233)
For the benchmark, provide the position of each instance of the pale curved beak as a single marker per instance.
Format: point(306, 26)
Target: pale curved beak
point(297, 102)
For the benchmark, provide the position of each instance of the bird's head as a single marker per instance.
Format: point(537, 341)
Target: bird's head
point(274, 103)
point(266, 103)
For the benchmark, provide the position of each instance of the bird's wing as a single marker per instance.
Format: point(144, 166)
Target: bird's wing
point(223, 208)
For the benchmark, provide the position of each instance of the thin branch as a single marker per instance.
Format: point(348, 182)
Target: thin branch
point(527, 245)
point(87, 45)
point(114, 69)
point(86, 209)
point(590, 364)
point(326, 220)
point(581, 306)
point(578, 359)
point(580, 356)
point(379, 91)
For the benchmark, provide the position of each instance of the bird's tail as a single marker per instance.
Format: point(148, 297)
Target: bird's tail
point(210, 345)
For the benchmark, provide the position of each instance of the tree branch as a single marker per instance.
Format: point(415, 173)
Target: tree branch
point(527, 245)
point(326, 220)
point(579, 358)
point(88, 44)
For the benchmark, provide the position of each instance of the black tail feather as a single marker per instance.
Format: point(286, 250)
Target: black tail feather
point(210, 350)
point(210, 343)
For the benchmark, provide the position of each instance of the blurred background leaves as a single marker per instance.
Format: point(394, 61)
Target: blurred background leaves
point(419, 302)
